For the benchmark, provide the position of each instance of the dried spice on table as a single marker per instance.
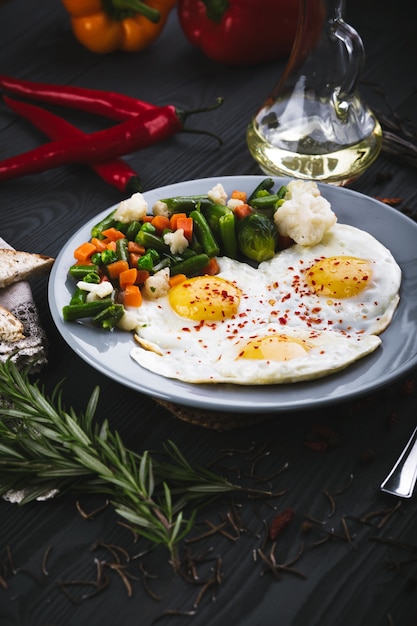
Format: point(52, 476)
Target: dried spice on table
point(104, 26)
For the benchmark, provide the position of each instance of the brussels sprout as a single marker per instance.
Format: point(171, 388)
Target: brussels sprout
point(256, 237)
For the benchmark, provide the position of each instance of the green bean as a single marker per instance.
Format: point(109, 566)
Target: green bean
point(204, 234)
point(264, 185)
point(106, 222)
point(132, 230)
point(186, 204)
point(109, 317)
point(73, 312)
point(79, 296)
point(190, 266)
point(265, 202)
point(79, 271)
point(121, 250)
point(213, 214)
point(149, 240)
point(227, 224)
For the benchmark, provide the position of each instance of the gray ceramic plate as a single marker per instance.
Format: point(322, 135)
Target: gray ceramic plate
point(110, 352)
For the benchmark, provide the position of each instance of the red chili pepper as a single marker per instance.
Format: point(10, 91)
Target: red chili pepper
point(114, 172)
point(240, 32)
point(131, 135)
point(280, 522)
point(109, 104)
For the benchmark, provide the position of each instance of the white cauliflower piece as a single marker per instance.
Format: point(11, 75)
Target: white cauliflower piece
point(128, 321)
point(132, 209)
point(234, 202)
point(157, 285)
point(218, 194)
point(305, 215)
point(96, 291)
point(176, 241)
point(161, 208)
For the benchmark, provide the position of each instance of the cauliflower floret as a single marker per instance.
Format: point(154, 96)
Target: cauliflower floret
point(132, 209)
point(218, 194)
point(157, 285)
point(96, 291)
point(234, 202)
point(176, 241)
point(161, 208)
point(128, 321)
point(305, 216)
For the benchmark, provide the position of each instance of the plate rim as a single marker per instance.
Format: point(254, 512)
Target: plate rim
point(187, 394)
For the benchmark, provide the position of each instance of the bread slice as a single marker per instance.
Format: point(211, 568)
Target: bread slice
point(16, 266)
point(11, 328)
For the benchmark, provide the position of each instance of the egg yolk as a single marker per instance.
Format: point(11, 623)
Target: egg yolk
point(205, 298)
point(339, 277)
point(274, 348)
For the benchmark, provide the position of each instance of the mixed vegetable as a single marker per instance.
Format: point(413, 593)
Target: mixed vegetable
point(184, 235)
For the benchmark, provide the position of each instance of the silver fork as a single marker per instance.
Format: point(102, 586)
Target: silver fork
point(403, 476)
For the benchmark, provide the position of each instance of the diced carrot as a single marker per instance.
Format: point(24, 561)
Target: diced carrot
point(174, 218)
point(133, 246)
point(142, 275)
point(242, 210)
point(186, 223)
point(128, 277)
point(133, 259)
point(132, 296)
point(212, 268)
point(239, 195)
point(147, 218)
point(113, 234)
point(161, 222)
point(84, 251)
point(99, 244)
point(177, 279)
point(114, 269)
point(111, 245)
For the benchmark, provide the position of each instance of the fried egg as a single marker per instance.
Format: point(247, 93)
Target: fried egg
point(267, 355)
point(308, 312)
point(349, 282)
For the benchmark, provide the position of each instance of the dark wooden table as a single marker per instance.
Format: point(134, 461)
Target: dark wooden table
point(354, 549)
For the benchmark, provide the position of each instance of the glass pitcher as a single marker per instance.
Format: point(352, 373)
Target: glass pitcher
point(315, 125)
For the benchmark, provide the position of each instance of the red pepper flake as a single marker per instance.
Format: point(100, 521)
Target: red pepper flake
point(280, 522)
point(390, 201)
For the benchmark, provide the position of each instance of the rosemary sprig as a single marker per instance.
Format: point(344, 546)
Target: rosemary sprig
point(43, 446)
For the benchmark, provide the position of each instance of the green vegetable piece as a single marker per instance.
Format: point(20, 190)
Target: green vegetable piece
point(73, 312)
point(108, 256)
point(92, 277)
point(265, 202)
point(213, 214)
point(256, 235)
point(78, 272)
point(147, 227)
point(227, 224)
point(146, 261)
point(132, 230)
point(106, 222)
point(264, 185)
point(149, 240)
point(191, 266)
point(109, 317)
point(79, 296)
point(186, 204)
point(204, 234)
point(121, 250)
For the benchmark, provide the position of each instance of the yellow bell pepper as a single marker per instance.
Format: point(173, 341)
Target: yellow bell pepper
point(104, 26)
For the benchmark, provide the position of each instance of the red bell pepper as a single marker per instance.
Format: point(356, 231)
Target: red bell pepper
point(240, 32)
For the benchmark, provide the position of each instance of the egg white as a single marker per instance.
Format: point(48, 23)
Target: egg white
point(328, 352)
